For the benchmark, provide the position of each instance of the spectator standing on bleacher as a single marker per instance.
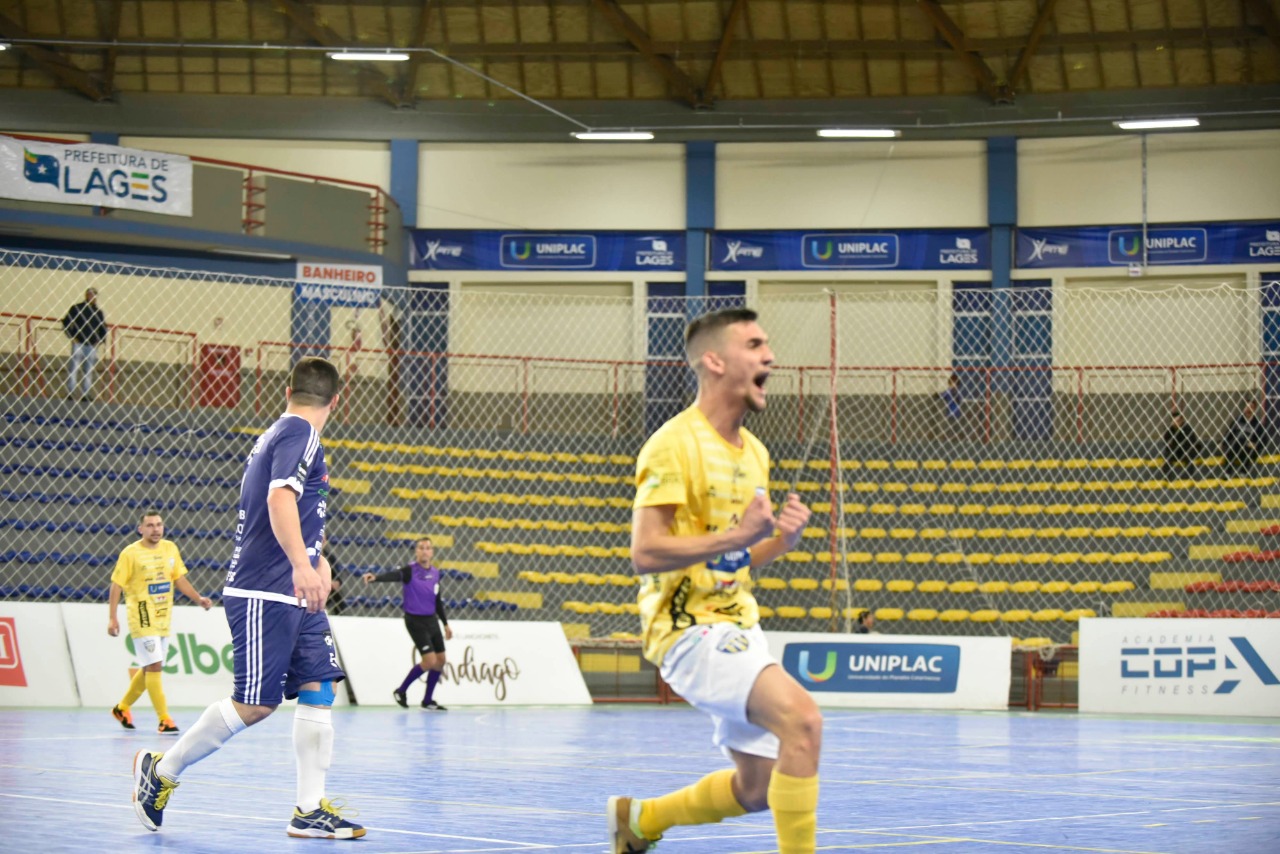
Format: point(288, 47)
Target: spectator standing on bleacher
point(146, 573)
point(1240, 444)
point(1181, 444)
point(86, 326)
point(424, 617)
point(952, 416)
point(866, 623)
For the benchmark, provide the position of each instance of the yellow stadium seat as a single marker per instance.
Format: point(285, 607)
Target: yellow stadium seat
point(578, 607)
point(804, 584)
point(1047, 615)
point(1086, 587)
point(590, 579)
point(972, 509)
point(888, 557)
point(1096, 557)
point(1021, 533)
point(986, 615)
point(610, 607)
point(1057, 509)
point(911, 509)
point(963, 533)
point(924, 486)
point(920, 557)
point(949, 558)
point(901, 585)
point(1076, 614)
point(1055, 587)
point(1030, 509)
point(1154, 557)
point(1036, 558)
point(1048, 464)
point(1027, 586)
point(991, 533)
point(978, 558)
point(889, 614)
point(533, 576)
point(791, 612)
point(1088, 509)
point(876, 465)
point(965, 586)
point(892, 486)
point(1008, 558)
point(933, 533)
point(571, 551)
point(873, 533)
point(994, 587)
point(932, 585)
point(903, 533)
point(770, 583)
point(812, 533)
point(1124, 557)
point(1136, 531)
point(942, 509)
point(563, 577)
point(622, 579)
point(963, 465)
point(858, 557)
point(867, 585)
point(884, 509)
point(1106, 532)
point(1016, 615)
point(820, 612)
point(935, 465)
point(838, 584)
point(852, 613)
point(766, 612)
point(1117, 587)
point(922, 615)
point(953, 615)
point(799, 557)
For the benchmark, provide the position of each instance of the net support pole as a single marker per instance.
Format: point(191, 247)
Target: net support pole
point(834, 452)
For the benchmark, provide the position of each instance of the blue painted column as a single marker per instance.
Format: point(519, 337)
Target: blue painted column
point(1002, 217)
point(104, 138)
point(404, 179)
point(700, 212)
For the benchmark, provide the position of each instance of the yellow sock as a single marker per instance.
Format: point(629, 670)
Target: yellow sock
point(794, 801)
point(156, 693)
point(705, 802)
point(136, 686)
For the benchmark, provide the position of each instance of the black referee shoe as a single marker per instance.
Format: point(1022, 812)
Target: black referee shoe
point(401, 700)
point(433, 706)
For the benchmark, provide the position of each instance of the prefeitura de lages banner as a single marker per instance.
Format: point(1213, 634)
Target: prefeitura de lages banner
point(102, 175)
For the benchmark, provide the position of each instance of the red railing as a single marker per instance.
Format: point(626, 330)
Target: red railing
point(254, 204)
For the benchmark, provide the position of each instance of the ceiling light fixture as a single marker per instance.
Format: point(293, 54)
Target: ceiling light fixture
point(859, 133)
point(1156, 124)
point(614, 135)
point(369, 56)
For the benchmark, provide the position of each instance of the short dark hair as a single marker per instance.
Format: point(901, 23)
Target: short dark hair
point(146, 513)
point(714, 321)
point(314, 382)
point(423, 540)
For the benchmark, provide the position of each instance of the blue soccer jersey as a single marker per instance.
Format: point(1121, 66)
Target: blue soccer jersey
point(287, 455)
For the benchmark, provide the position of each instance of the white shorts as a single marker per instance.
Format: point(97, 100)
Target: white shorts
point(714, 669)
point(153, 649)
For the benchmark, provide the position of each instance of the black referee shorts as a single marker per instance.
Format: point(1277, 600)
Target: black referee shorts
point(425, 631)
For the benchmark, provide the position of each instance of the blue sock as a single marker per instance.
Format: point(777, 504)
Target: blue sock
point(432, 678)
point(411, 678)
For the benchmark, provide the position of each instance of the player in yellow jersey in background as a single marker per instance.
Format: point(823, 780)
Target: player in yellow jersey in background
point(146, 573)
point(701, 522)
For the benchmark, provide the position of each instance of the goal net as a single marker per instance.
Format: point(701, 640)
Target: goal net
point(976, 461)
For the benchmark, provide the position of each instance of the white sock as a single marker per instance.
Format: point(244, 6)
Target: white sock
point(313, 745)
point(215, 728)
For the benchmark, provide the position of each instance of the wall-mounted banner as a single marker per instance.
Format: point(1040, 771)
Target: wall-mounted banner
point(566, 250)
point(949, 249)
point(358, 285)
point(903, 671)
point(1180, 666)
point(1121, 245)
point(81, 173)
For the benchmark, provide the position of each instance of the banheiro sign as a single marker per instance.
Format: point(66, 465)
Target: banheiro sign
point(1180, 666)
point(355, 285)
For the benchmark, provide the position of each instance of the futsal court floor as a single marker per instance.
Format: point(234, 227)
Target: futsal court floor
point(517, 780)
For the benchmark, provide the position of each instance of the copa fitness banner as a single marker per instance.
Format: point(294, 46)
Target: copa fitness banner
point(834, 249)
point(1180, 666)
point(1122, 245)
point(102, 175)
point(607, 251)
point(898, 671)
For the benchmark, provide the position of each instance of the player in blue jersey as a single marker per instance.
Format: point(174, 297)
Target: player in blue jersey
point(277, 582)
point(423, 617)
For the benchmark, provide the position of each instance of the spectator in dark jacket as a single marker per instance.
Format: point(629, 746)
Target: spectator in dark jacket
point(1240, 444)
point(1181, 444)
point(86, 326)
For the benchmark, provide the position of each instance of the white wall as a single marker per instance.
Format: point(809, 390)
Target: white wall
point(851, 185)
point(363, 162)
point(569, 186)
point(1191, 177)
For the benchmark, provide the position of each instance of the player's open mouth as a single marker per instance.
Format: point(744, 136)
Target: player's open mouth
point(760, 379)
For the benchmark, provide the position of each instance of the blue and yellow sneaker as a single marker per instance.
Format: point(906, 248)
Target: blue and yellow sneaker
point(150, 791)
point(326, 822)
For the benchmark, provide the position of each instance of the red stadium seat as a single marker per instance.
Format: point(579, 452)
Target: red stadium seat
point(1201, 586)
point(1194, 613)
point(1265, 556)
point(1165, 613)
point(1273, 615)
point(1254, 613)
point(1224, 613)
point(1237, 557)
point(1257, 587)
point(1230, 586)
point(1271, 531)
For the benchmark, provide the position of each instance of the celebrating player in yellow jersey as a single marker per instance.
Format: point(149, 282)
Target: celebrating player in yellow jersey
point(146, 573)
point(701, 522)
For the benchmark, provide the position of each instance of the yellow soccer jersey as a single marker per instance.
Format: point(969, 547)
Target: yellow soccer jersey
point(688, 464)
point(147, 577)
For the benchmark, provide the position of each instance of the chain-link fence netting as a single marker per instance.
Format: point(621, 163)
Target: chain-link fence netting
point(977, 460)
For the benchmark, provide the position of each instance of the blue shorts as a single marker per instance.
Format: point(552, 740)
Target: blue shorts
point(278, 648)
